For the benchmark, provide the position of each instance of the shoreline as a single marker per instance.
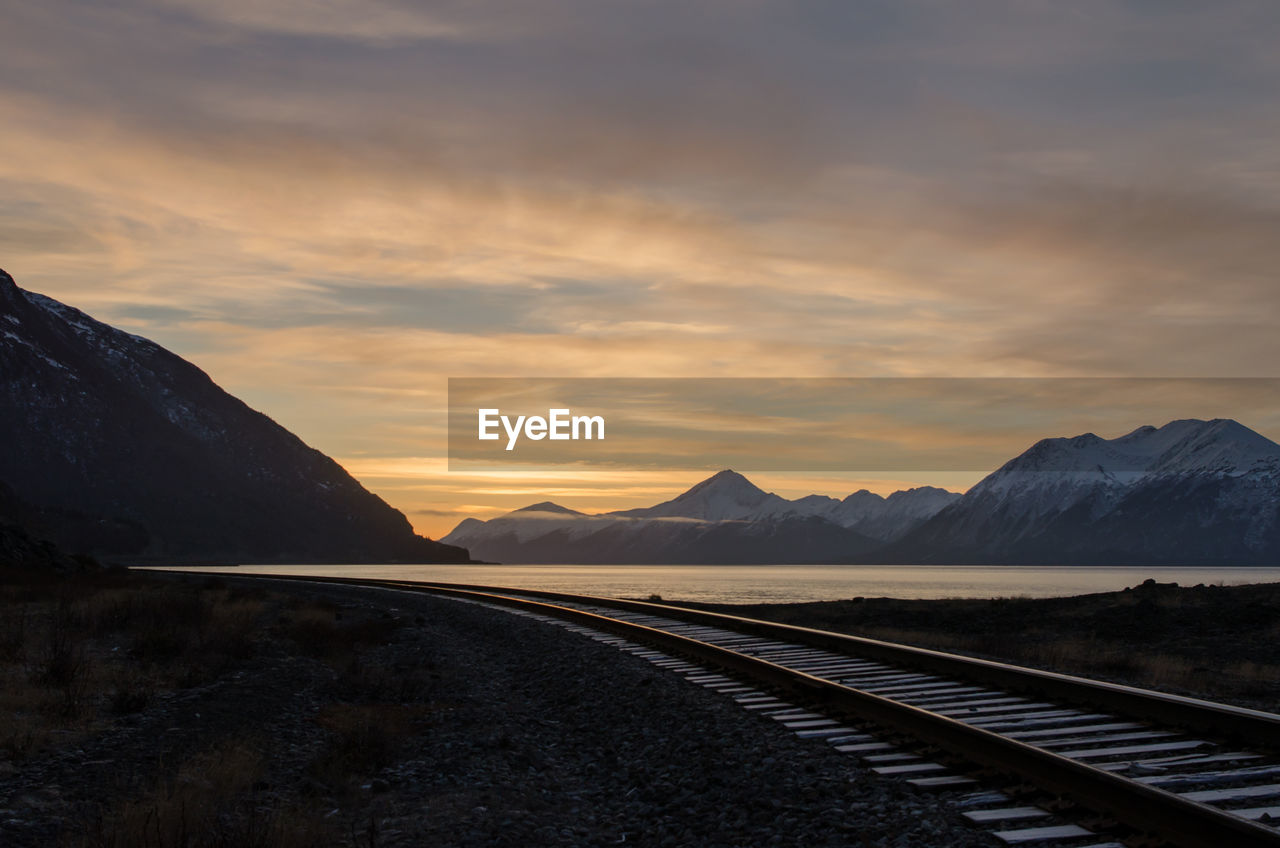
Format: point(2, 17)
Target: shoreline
point(749, 584)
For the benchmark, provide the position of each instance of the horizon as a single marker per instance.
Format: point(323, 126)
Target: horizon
point(748, 477)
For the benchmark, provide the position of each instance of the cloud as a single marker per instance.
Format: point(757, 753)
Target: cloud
point(375, 20)
point(333, 210)
point(453, 512)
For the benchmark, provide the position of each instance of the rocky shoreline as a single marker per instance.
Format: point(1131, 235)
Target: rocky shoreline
point(479, 728)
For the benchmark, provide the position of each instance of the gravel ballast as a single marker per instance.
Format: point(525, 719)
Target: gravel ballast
point(524, 734)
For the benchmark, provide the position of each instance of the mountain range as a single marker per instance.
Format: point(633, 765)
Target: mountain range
point(724, 519)
point(1191, 492)
point(112, 446)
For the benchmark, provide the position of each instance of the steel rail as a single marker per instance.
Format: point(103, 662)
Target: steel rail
point(1148, 809)
point(1255, 728)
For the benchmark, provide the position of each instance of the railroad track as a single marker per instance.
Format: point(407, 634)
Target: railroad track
point(1036, 758)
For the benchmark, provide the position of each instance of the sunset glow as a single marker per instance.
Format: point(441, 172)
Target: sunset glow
point(334, 211)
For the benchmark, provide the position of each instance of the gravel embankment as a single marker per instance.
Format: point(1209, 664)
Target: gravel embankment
point(525, 734)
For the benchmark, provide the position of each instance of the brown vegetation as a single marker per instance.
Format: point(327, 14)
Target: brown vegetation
point(79, 656)
point(207, 802)
point(1208, 641)
point(76, 652)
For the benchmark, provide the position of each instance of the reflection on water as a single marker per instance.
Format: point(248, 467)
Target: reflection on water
point(741, 584)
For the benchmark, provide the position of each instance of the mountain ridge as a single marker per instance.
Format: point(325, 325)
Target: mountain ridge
point(130, 452)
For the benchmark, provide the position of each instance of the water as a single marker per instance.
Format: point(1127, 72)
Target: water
point(742, 584)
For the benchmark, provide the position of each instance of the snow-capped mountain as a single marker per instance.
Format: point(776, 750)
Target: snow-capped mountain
point(724, 519)
point(1192, 491)
point(882, 518)
point(116, 447)
point(724, 496)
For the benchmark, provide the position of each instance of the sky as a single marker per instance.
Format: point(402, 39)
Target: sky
point(335, 206)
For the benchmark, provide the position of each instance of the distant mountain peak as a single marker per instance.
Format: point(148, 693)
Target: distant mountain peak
point(922, 493)
point(727, 480)
point(724, 495)
point(548, 506)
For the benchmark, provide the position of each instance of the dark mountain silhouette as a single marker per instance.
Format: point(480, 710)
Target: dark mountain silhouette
point(724, 519)
point(115, 447)
point(19, 549)
point(791, 539)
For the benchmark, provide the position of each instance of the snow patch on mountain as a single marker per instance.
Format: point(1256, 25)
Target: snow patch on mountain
point(111, 339)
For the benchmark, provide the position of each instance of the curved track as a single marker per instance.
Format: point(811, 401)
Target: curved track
point(1102, 758)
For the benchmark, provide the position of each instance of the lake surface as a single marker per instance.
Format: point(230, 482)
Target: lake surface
point(740, 584)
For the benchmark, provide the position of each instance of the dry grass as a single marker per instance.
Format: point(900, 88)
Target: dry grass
point(208, 803)
point(1218, 643)
point(1091, 656)
point(74, 654)
point(28, 718)
point(377, 707)
point(320, 630)
point(363, 739)
point(77, 656)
